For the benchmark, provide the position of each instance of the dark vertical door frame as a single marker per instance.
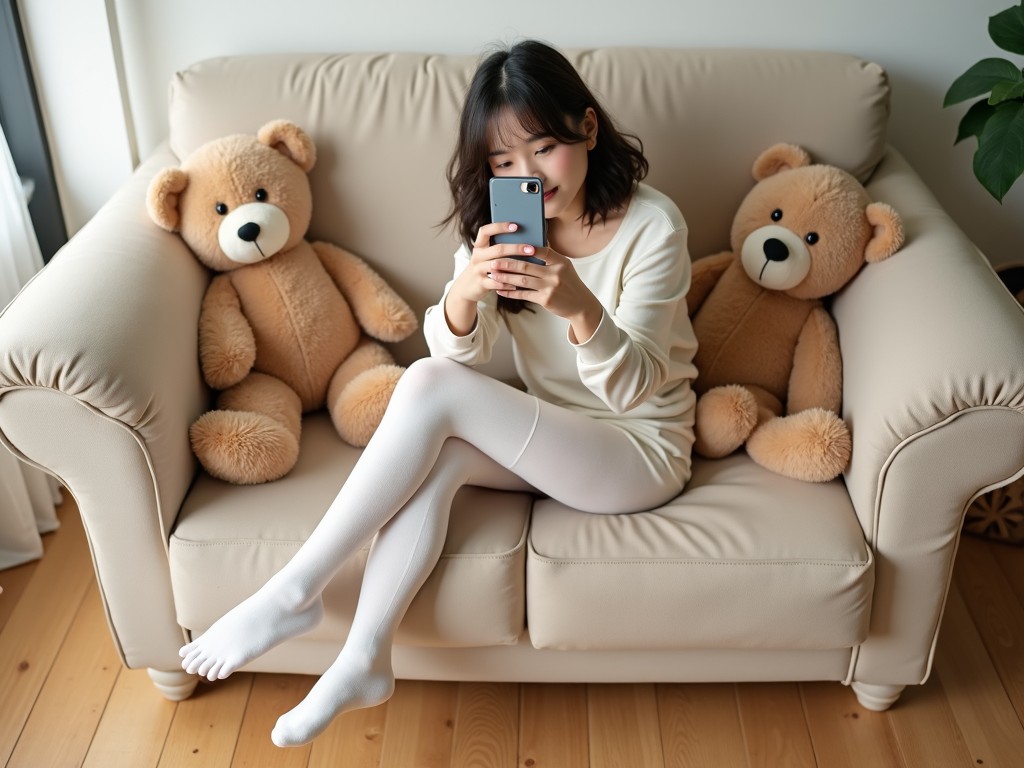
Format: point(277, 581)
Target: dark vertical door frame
point(23, 126)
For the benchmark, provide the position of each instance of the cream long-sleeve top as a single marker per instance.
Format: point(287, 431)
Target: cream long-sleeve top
point(637, 368)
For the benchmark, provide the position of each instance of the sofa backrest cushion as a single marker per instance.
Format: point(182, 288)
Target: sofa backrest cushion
point(385, 124)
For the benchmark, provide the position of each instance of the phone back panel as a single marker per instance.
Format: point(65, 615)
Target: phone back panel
point(513, 199)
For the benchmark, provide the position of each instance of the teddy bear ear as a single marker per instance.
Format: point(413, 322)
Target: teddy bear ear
point(780, 157)
point(888, 232)
point(162, 197)
point(291, 141)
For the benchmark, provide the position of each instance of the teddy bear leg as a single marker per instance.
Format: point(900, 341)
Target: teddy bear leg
point(253, 436)
point(360, 391)
point(724, 419)
point(813, 445)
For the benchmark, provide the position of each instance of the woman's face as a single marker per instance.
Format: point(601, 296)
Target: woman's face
point(560, 166)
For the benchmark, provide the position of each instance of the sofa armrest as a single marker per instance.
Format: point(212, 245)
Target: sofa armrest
point(933, 390)
point(99, 381)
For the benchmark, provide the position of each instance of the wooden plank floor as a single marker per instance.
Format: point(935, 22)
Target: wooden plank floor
point(65, 700)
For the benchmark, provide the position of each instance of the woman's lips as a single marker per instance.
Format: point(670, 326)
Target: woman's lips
point(548, 194)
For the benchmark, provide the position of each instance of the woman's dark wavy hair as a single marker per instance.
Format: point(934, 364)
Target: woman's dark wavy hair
point(543, 89)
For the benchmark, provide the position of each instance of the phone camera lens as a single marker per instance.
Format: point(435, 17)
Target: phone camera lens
point(533, 187)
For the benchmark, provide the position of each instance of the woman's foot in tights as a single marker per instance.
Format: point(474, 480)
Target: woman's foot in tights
point(271, 616)
point(353, 681)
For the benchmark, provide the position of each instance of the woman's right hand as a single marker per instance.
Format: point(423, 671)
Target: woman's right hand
point(474, 283)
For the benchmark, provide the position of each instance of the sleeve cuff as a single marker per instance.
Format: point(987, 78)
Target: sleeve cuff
point(442, 334)
point(602, 345)
point(459, 342)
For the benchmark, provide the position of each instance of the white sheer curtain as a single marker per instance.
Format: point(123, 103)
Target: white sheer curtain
point(27, 496)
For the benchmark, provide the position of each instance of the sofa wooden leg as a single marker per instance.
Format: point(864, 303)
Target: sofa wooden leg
point(877, 698)
point(175, 686)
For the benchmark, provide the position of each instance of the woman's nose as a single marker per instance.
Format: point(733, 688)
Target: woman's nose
point(529, 169)
point(526, 168)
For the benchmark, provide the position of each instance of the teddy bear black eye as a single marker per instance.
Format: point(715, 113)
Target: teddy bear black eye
point(811, 238)
point(221, 208)
point(261, 195)
point(777, 214)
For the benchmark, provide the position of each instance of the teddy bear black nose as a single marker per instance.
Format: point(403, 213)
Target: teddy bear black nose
point(775, 250)
point(250, 231)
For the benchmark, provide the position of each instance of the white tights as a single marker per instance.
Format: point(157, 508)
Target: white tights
point(446, 426)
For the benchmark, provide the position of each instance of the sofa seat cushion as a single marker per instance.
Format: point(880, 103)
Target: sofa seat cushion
point(742, 558)
point(228, 540)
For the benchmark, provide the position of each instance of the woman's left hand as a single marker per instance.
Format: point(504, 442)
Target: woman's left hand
point(555, 286)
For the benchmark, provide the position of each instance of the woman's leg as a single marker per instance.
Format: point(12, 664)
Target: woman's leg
point(402, 557)
point(580, 461)
point(435, 399)
point(595, 470)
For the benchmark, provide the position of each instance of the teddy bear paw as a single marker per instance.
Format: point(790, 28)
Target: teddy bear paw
point(243, 447)
point(812, 445)
point(725, 418)
point(362, 403)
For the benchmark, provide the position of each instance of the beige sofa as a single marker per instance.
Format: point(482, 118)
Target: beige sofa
point(746, 576)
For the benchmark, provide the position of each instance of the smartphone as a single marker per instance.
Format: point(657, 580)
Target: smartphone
point(519, 199)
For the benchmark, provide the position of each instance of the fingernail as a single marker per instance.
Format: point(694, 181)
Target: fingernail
point(513, 227)
point(527, 249)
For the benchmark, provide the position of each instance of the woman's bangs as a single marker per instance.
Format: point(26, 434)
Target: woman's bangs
point(521, 120)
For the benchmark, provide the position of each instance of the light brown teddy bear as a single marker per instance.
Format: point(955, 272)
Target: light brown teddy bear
point(768, 361)
point(286, 323)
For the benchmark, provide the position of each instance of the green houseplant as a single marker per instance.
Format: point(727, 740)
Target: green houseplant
point(998, 119)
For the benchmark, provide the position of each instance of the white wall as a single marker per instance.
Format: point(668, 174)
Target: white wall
point(75, 67)
point(924, 45)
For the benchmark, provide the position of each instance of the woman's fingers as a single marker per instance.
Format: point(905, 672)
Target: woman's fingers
point(484, 250)
point(487, 231)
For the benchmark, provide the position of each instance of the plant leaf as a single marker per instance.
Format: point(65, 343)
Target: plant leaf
point(973, 123)
point(1006, 29)
point(980, 79)
point(1006, 92)
point(999, 160)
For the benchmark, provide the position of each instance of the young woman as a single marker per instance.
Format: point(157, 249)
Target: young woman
point(602, 342)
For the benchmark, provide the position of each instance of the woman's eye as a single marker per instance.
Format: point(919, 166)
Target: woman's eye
point(221, 208)
point(545, 149)
point(261, 195)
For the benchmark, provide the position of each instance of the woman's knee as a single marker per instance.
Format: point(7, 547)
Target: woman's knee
point(425, 374)
point(435, 374)
point(426, 383)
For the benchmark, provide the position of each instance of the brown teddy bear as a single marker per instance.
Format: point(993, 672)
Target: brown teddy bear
point(286, 323)
point(770, 369)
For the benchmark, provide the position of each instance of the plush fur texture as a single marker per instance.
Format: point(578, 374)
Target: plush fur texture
point(770, 367)
point(287, 325)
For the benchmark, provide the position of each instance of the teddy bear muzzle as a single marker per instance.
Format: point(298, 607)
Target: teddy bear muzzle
point(253, 232)
point(775, 258)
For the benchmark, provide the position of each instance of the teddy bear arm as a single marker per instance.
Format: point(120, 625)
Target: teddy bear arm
point(704, 276)
point(816, 380)
point(381, 312)
point(227, 347)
